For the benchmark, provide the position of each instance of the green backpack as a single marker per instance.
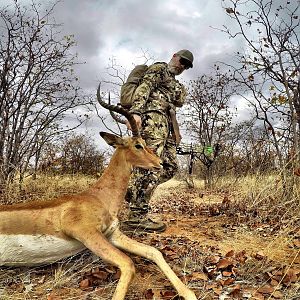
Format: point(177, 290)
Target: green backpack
point(128, 88)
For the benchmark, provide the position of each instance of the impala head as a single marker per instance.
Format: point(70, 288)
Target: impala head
point(135, 151)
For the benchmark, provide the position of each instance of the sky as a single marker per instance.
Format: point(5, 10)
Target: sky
point(126, 29)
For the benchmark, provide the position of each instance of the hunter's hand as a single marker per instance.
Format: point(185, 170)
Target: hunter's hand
point(138, 121)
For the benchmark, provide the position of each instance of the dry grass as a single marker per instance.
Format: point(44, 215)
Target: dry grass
point(45, 187)
point(241, 215)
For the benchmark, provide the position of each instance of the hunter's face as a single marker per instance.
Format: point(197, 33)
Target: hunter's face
point(176, 65)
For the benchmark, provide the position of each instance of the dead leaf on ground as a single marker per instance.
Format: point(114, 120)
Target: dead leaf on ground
point(226, 273)
point(236, 292)
point(211, 286)
point(224, 263)
point(229, 253)
point(168, 294)
point(212, 259)
point(53, 297)
point(241, 256)
point(266, 289)
point(290, 277)
point(296, 243)
point(199, 276)
point(229, 281)
point(101, 275)
point(274, 282)
point(217, 290)
point(85, 283)
point(148, 294)
point(277, 295)
point(259, 255)
point(258, 296)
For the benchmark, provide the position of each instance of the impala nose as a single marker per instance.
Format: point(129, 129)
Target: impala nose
point(157, 168)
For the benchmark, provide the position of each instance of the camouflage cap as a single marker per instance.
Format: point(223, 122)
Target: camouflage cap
point(186, 54)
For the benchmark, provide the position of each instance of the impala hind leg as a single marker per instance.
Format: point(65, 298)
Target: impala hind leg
point(99, 245)
point(123, 242)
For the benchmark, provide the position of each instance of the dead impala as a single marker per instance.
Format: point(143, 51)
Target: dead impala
point(41, 232)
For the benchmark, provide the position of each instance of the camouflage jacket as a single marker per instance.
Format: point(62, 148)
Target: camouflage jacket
point(158, 91)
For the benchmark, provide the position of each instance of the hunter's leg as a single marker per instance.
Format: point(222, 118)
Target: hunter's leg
point(143, 182)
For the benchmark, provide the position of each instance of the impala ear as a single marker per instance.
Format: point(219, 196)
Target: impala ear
point(112, 139)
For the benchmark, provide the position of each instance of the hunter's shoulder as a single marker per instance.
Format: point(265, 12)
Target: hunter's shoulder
point(158, 67)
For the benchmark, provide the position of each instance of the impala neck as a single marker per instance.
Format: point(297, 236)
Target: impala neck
point(114, 181)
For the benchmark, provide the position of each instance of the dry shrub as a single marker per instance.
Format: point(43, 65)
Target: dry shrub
point(44, 187)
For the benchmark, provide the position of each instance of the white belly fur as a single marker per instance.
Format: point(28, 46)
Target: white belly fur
point(34, 250)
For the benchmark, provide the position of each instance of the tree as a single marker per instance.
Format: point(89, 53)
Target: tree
point(38, 87)
point(208, 115)
point(247, 150)
point(269, 68)
point(79, 155)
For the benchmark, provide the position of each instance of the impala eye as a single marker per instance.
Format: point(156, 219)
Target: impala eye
point(138, 146)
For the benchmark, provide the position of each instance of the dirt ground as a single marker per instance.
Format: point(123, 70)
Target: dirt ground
point(219, 252)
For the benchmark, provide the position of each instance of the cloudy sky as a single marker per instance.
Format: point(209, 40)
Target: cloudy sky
point(123, 29)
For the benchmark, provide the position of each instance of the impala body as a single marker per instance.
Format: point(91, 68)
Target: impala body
point(46, 230)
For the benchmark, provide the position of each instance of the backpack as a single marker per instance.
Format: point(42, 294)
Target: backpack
point(128, 88)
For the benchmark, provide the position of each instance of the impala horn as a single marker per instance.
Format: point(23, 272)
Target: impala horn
point(120, 110)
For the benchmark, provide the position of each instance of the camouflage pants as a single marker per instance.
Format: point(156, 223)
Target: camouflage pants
point(156, 133)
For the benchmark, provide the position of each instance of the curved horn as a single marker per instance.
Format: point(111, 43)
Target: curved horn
point(120, 110)
point(114, 116)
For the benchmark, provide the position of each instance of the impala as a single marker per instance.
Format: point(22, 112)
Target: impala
point(41, 232)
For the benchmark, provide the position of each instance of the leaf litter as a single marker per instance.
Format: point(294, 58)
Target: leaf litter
point(218, 248)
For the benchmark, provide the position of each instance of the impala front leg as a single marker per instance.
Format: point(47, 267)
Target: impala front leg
point(99, 245)
point(123, 242)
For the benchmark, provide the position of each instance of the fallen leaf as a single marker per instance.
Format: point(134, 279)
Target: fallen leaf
point(217, 290)
point(226, 273)
point(85, 283)
point(211, 286)
point(296, 270)
point(28, 287)
point(296, 243)
point(274, 282)
point(277, 273)
point(53, 297)
point(229, 281)
point(297, 171)
point(277, 295)
point(259, 255)
point(101, 275)
point(229, 253)
point(266, 289)
point(148, 294)
point(258, 296)
point(241, 256)
point(117, 275)
point(212, 259)
point(236, 292)
point(168, 294)
point(290, 277)
point(199, 276)
point(224, 263)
